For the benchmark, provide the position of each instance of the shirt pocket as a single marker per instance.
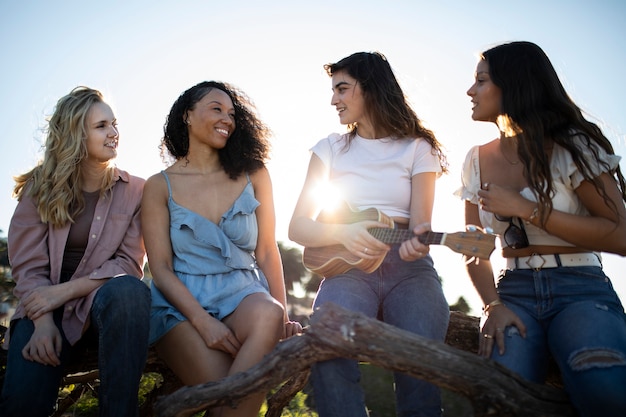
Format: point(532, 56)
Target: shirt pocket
point(114, 231)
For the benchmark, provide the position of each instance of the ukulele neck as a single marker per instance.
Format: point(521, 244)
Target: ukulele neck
point(391, 236)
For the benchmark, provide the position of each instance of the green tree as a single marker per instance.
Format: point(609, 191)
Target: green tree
point(4, 256)
point(293, 268)
point(460, 305)
point(6, 283)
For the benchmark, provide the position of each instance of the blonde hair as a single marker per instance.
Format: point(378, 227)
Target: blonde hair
point(55, 183)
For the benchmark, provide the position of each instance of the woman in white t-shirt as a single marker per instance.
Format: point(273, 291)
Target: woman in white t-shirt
point(551, 187)
point(387, 163)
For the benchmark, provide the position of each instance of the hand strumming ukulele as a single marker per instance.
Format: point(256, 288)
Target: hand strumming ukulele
point(336, 259)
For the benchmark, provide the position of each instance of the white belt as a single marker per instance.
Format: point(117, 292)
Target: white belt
point(537, 261)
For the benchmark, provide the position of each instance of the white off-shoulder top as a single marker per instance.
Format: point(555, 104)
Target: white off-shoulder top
point(566, 178)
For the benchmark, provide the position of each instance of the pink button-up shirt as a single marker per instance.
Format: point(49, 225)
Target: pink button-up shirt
point(115, 247)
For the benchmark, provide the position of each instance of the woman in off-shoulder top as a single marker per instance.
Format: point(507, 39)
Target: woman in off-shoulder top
point(551, 187)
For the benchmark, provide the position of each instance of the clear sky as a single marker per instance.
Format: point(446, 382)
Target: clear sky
point(143, 54)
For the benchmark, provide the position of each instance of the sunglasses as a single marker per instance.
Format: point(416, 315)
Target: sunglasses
point(514, 235)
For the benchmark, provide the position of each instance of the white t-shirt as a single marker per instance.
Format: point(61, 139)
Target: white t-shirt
point(565, 176)
point(376, 172)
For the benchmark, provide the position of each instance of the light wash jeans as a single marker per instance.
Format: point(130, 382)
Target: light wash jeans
point(574, 314)
point(119, 324)
point(407, 295)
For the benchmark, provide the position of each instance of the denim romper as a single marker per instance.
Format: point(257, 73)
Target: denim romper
point(214, 261)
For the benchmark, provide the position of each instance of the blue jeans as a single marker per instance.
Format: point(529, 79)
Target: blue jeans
point(407, 295)
point(574, 315)
point(119, 327)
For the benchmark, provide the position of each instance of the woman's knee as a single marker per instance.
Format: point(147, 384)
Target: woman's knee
point(258, 315)
point(123, 298)
point(124, 290)
point(125, 286)
point(270, 312)
point(263, 307)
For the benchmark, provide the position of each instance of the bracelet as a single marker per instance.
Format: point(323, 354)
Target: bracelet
point(533, 215)
point(496, 302)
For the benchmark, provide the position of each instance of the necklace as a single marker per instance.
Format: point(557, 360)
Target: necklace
point(504, 155)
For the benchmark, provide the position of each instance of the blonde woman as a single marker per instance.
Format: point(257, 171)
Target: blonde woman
point(77, 254)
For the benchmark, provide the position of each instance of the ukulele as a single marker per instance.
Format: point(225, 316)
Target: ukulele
point(332, 260)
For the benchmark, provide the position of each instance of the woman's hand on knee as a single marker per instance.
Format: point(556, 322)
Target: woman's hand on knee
point(218, 336)
point(45, 344)
point(498, 319)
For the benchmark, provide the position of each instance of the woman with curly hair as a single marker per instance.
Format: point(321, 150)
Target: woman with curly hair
point(219, 300)
point(552, 188)
point(388, 161)
point(77, 257)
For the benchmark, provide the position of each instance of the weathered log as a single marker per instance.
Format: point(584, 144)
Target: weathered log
point(462, 335)
point(335, 332)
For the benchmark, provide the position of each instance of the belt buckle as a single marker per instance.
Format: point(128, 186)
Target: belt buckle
point(531, 260)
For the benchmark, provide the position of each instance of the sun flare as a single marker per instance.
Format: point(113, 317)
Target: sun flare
point(328, 197)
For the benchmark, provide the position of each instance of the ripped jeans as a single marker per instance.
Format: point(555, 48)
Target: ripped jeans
point(573, 314)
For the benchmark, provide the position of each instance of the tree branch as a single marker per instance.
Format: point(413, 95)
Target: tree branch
point(335, 332)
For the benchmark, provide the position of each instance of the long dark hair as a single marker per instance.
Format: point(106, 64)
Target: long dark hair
point(536, 107)
point(248, 147)
point(385, 102)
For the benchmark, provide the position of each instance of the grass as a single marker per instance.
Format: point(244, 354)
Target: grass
point(380, 398)
point(377, 384)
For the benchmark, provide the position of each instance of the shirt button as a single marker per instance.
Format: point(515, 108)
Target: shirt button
point(98, 217)
point(93, 236)
point(70, 308)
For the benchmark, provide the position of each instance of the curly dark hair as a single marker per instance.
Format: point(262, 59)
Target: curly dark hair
point(536, 107)
point(385, 102)
point(248, 147)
